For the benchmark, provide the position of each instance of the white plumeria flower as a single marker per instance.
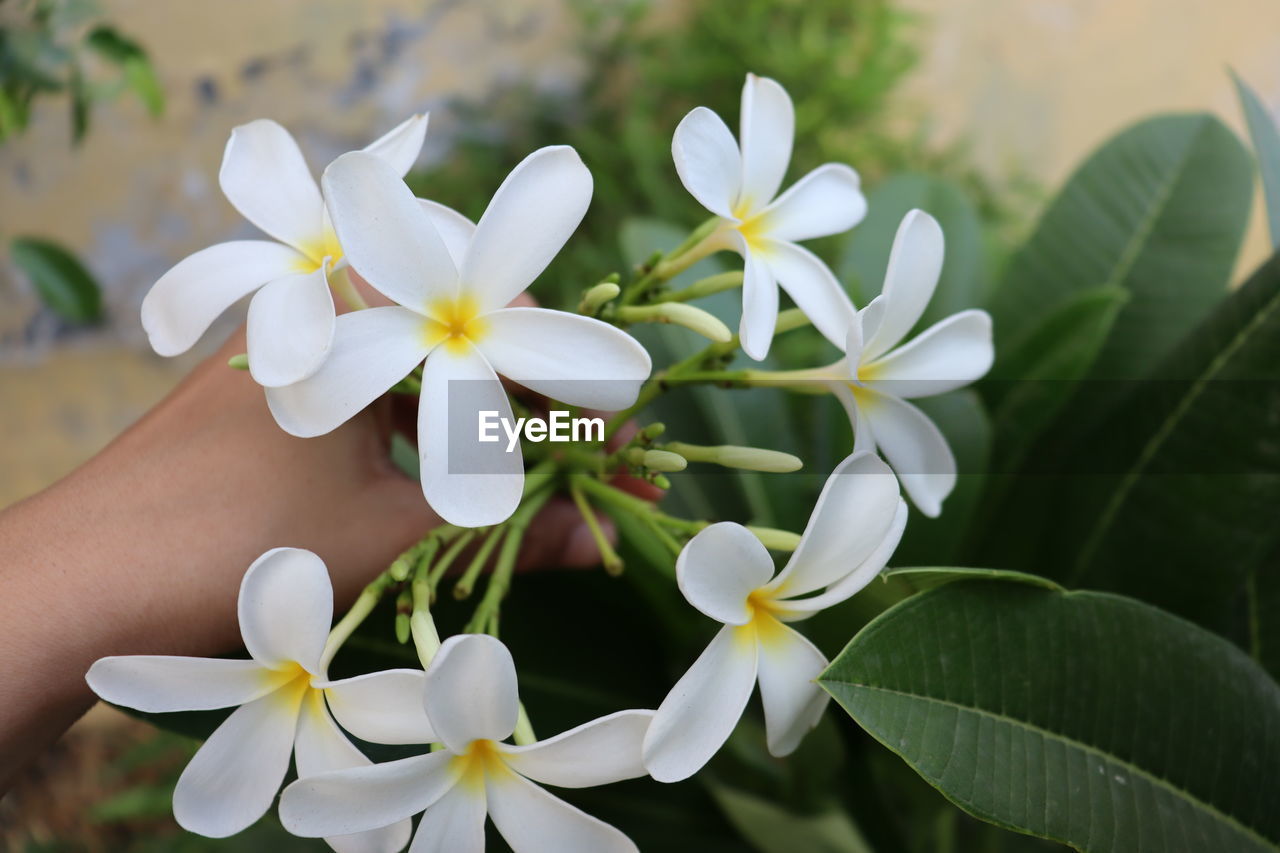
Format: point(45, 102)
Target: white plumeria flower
point(737, 181)
point(725, 572)
point(285, 606)
point(452, 281)
point(290, 327)
point(876, 375)
point(472, 704)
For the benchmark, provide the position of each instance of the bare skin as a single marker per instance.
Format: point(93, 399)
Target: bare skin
point(141, 550)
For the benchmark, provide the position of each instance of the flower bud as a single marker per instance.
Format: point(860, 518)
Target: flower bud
point(597, 296)
point(664, 460)
point(705, 324)
point(776, 540)
point(239, 362)
point(734, 456)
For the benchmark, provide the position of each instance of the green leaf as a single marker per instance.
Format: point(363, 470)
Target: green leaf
point(1081, 717)
point(141, 77)
point(1262, 598)
point(1160, 211)
point(927, 577)
point(1034, 379)
point(866, 251)
point(773, 829)
point(1266, 148)
point(1185, 504)
point(59, 278)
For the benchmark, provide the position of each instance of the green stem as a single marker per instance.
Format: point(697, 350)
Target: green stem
point(641, 509)
point(504, 568)
point(707, 286)
point(363, 606)
point(467, 582)
point(433, 579)
point(608, 556)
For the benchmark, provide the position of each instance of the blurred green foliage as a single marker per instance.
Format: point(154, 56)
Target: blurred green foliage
point(61, 46)
point(839, 60)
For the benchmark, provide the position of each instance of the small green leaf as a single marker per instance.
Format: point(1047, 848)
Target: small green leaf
point(773, 829)
point(1266, 148)
point(62, 282)
point(1082, 717)
point(141, 77)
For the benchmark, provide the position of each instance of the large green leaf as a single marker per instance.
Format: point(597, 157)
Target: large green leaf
point(866, 250)
point(1266, 147)
point(1082, 717)
point(1160, 211)
point(1187, 487)
point(59, 278)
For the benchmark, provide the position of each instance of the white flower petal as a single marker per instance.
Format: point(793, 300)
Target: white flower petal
point(915, 262)
point(708, 161)
point(320, 747)
point(791, 610)
point(342, 802)
point(719, 567)
point(600, 752)
point(826, 201)
point(468, 482)
point(852, 516)
point(382, 707)
point(186, 300)
point(400, 146)
point(454, 229)
point(453, 824)
point(471, 691)
point(233, 778)
point(372, 350)
point(290, 328)
point(913, 445)
point(759, 304)
point(793, 702)
point(813, 286)
point(265, 177)
point(385, 234)
point(767, 128)
point(702, 709)
point(286, 607)
point(528, 221)
point(948, 355)
point(159, 683)
point(863, 440)
point(534, 821)
point(577, 360)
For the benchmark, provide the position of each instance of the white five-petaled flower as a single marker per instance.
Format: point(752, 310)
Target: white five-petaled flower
point(285, 605)
point(737, 181)
point(291, 316)
point(452, 281)
point(472, 704)
point(876, 374)
point(725, 572)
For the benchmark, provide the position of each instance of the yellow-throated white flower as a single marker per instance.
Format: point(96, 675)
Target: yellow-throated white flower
point(291, 315)
point(879, 373)
point(725, 572)
point(472, 703)
point(452, 281)
point(738, 182)
point(285, 606)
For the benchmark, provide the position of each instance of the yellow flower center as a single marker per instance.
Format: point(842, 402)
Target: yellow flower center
point(454, 323)
point(753, 228)
point(291, 683)
point(764, 625)
point(481, 758)
point(316, 251)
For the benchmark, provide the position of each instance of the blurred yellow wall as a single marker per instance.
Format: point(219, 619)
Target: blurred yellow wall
point(1032, 84)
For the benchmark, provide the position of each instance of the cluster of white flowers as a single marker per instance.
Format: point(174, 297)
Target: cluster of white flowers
point(451, 281)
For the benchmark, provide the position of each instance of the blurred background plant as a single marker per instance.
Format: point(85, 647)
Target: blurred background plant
point(64, 47)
